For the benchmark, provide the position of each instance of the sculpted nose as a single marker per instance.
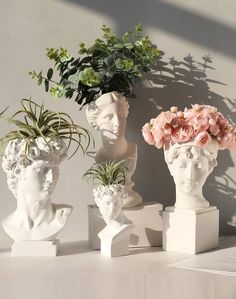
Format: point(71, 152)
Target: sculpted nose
point(49, 175)
point(190, 172)
point(115, 121)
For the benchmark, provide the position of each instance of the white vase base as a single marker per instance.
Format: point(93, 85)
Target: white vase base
point(35, 248)
point(190, 231)
point(118, 245)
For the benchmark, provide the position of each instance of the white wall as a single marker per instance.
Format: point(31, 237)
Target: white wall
point(179, 28)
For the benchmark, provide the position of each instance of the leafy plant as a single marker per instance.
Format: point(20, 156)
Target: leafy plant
point(110, 64)
point(38, 122)
point(107, 173)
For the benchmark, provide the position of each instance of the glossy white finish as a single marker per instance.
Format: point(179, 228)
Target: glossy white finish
point(108, 115)
point(190, 231)
point(35, 248)
point(147, 220)
point(32, 179)
point(116, 234)
point(190, 166)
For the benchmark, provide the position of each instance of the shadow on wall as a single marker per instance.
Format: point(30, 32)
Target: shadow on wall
point(176, 83)
point(182, 83)
point(168, 17)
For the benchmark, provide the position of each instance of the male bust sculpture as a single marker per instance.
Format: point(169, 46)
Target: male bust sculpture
point(116, 235)
point(31, 177)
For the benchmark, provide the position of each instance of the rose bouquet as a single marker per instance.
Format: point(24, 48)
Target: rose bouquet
point(200, 124)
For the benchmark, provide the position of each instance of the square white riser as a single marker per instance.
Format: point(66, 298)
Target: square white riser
point(146, 218)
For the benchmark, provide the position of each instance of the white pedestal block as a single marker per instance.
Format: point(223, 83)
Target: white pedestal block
point(117, 245)
point(190, 231)
point(146, 218)
point(35, 248)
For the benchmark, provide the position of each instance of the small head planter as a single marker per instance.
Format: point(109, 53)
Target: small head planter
point(191, 139)
point(109, 196)
point(32, 154)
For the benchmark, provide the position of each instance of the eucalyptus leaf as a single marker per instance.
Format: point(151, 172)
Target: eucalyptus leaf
point(111, 63)
point(50, 74)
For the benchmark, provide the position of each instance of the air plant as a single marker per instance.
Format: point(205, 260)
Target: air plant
point(107, 173)
point(33, 121)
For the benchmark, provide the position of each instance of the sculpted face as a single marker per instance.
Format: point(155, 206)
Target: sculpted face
point(111, 121)
point(38, 180)
point(190, 174)
point(109, 208)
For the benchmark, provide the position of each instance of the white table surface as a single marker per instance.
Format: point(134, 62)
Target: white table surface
point(79, 272)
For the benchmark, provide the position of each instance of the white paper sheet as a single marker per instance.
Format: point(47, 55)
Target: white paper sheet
point(221, 262)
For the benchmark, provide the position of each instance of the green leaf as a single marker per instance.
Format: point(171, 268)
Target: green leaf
point(46, 83)
point(50, 74)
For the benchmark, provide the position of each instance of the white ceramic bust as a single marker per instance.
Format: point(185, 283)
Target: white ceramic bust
point(32, 178)
point(116, 234)
point(108, 114)
point(190, 166)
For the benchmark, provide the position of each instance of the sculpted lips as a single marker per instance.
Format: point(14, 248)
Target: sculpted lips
point(190, 183)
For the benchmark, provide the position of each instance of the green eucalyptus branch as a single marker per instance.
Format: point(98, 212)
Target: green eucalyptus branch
point(112, 63)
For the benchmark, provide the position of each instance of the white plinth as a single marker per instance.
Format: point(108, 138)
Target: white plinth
point(115, 245)
point(146, 218)
point(190, 231)
point(35, 248)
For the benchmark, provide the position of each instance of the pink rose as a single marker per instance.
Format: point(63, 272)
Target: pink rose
point(164, 118)
point(147, 134)
point(199, 121)
point(228, 141)
point(203, 139)
point(222, 121)
point(182, 134)
point(214, 128)
point(167, 130)
point(158, 136)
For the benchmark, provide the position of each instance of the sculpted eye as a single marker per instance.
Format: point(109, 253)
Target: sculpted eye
point(37, 169)
point(108, 117)
point(199, 166)
point(45, 169)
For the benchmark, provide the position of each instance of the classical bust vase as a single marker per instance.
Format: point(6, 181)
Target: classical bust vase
point(115, 237)
point(31, 177)
point(190, 165)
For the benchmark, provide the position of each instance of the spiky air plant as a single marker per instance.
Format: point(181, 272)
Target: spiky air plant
point(33, 121)
point(107, 173)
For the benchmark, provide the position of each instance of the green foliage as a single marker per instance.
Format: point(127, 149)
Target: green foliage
point(110, 64)
point(33, 121)
point(107, 173)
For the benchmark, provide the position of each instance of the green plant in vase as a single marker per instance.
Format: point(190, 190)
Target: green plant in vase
point(107, 173)
point(31, 155)
point(109, 193)
point(101, 77)
point(112, 63)
point(33, 122)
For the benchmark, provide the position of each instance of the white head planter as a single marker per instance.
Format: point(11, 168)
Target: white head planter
point(109, 200)
point(116, 234)
point(32, 177)
point(108, 115)
point(190, 166)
